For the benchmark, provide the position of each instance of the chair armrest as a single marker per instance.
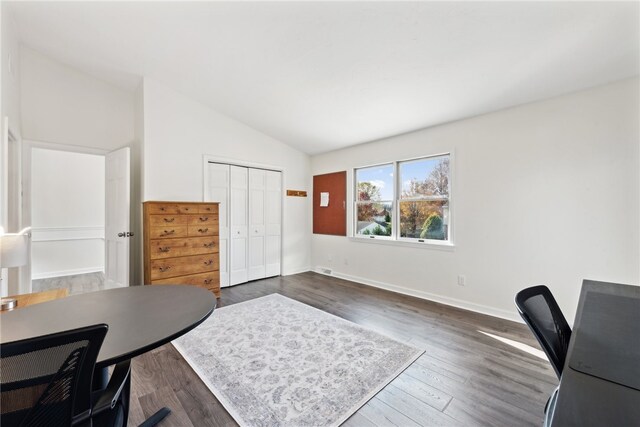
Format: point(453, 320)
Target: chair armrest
point(106, 399)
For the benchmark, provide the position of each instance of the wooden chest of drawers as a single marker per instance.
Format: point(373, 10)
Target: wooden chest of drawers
point(181, 245)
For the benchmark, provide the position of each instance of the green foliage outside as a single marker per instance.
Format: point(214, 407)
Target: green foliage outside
point(433, 228)
point(378, 231)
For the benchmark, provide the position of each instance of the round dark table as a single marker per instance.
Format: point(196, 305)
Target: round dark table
point(140, 318)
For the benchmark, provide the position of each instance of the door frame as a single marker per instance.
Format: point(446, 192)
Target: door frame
point(27, 147)
point(12, 220)
point(209, 158)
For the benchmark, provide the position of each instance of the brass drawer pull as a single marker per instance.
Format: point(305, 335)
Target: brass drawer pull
point(205, 218)
point(169, 219)
point(162, 208)
point(207, 281)
point(209, 262)
point(203, 230)
point(163, 269)
point(209, 245)
point(167, 232)
point(164, 249)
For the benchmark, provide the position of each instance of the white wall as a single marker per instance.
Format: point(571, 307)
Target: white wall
point(543, 193)
point(61, 105)
point(178, 131)
point(65, 106)
point(68, 210)
point(10, 63)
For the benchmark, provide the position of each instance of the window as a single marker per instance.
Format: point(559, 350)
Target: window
point(424, 198)
point(374, 200)
point(405, 200)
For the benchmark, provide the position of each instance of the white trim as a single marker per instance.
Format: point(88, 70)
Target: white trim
point(427, 244)
point(394, 239)
point(73, 272)
point(209, 158)
point(454, 302)
point(58, 234)
point(304, 270)
point(65, 147)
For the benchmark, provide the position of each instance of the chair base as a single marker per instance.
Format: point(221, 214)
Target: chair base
point(156, 418)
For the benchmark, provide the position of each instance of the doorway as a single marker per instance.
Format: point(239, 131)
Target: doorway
point(75, 198)
point(67, 219)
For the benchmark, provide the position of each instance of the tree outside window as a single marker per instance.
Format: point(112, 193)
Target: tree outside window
point(421, 194)
point(374, 200)
point(424, 199)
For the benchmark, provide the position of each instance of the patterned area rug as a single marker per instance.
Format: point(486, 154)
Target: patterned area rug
point(273, 361)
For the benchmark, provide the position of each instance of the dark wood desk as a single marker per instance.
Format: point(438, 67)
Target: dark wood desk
point(140, 318)
point(600, 379)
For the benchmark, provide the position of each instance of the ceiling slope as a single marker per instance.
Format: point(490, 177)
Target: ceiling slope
point(321, 76)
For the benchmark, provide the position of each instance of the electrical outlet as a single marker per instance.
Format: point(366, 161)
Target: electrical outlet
point(346, 261)
point(462, 280)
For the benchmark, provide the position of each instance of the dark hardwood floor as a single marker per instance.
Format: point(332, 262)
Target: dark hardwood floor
point(465, 378)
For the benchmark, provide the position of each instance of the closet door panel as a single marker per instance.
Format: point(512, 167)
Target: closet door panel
point(238, 222)
point(250, 217)
point(218, 191)
point(273, 221)
point(256, 224)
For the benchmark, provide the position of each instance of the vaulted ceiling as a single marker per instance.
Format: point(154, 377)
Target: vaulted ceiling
point(324, 75)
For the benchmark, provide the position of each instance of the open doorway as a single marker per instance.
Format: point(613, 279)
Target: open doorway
point(67, 220)
point(79, 210)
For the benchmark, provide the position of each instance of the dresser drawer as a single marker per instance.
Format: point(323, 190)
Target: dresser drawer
point(201, 219)
point(187, 208)
point(168, 248)
point(162, 208)
point(181, 266)
point(203, 230)
point(209, 281)
point(167, 220)
point(208, 209)
point(167, 231)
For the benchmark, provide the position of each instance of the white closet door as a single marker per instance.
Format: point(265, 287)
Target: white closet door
point(218, 191)
point(256, 224)
point(238, 225)
point(273, 222)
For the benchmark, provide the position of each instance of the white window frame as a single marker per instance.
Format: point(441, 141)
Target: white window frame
point(394, 238)
point(394, 167)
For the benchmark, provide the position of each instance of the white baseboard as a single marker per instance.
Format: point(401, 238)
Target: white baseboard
point(291, 273)
point(50, 274)
point(454, 302)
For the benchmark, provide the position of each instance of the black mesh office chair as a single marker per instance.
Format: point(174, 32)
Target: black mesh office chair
point(540, 311)
point(46, 381)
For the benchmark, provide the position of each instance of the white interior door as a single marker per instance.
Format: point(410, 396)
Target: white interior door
point(218, 191)
point(117, 214)
point(256, 224)
point(273, 222)
point(238, 224)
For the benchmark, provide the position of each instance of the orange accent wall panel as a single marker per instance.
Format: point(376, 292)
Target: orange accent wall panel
point(330, 216)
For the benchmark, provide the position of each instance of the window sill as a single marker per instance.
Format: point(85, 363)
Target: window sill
point(443, 246)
